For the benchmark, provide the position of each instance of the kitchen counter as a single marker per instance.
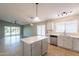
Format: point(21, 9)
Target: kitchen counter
point(67, 35)
point(74, 36)
point(33, 39)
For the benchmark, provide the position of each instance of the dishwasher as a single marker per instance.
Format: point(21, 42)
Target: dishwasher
point(53, 40)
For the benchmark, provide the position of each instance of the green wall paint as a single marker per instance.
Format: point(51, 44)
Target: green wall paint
point(27, 30)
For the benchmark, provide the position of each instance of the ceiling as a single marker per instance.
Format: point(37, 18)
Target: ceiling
point(22, 11)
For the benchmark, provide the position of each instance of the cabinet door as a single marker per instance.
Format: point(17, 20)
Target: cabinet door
point(76, 44)
point(60, 41)
point(44, 46)
point(48, 39)
point(36, 49)
point(67, 42)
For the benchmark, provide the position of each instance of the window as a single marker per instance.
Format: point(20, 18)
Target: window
point(7, 30)
point(40, 29)
point(71, 26)
point(15, 30)
point(68, 26)
point(12, 34)
point(52, 26)
point(43, 30)
point(60, 27)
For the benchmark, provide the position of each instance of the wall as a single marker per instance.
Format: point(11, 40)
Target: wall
point(4, 23)
point(63, 19)
point(26, 30)
point(48, 24)
point(29, 30)
point(69, 18)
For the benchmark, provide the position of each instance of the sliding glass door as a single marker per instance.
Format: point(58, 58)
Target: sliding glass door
point(12, 33)
point(12, 39)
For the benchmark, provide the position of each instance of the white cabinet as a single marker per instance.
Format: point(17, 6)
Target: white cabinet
point(44, 46)
point(67, 43)
point(48, 39)
point(76, 44)
point(60, 41)
point(36, 49)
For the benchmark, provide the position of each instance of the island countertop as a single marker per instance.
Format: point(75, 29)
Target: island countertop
point(33, 39)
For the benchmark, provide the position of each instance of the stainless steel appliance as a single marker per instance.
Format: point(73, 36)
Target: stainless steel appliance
point(53, 39)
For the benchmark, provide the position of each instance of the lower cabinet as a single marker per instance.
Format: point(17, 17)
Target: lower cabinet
point(76, 44)
point(44, 47)
point(67, 43)
point(35, 49)
point(60, 41)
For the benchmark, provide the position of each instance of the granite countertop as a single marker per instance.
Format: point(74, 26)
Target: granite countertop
point(73, 36)
point(33, 39)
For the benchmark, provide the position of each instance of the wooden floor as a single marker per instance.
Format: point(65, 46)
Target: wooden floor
point(57, 51)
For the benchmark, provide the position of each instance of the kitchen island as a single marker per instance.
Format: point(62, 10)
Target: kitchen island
point(35, 46)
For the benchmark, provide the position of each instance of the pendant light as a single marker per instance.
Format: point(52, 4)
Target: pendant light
point(36, 18)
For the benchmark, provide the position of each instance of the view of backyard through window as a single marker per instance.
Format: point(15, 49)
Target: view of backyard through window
point(68, 26)
point(12, 34)
point(40, 29)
